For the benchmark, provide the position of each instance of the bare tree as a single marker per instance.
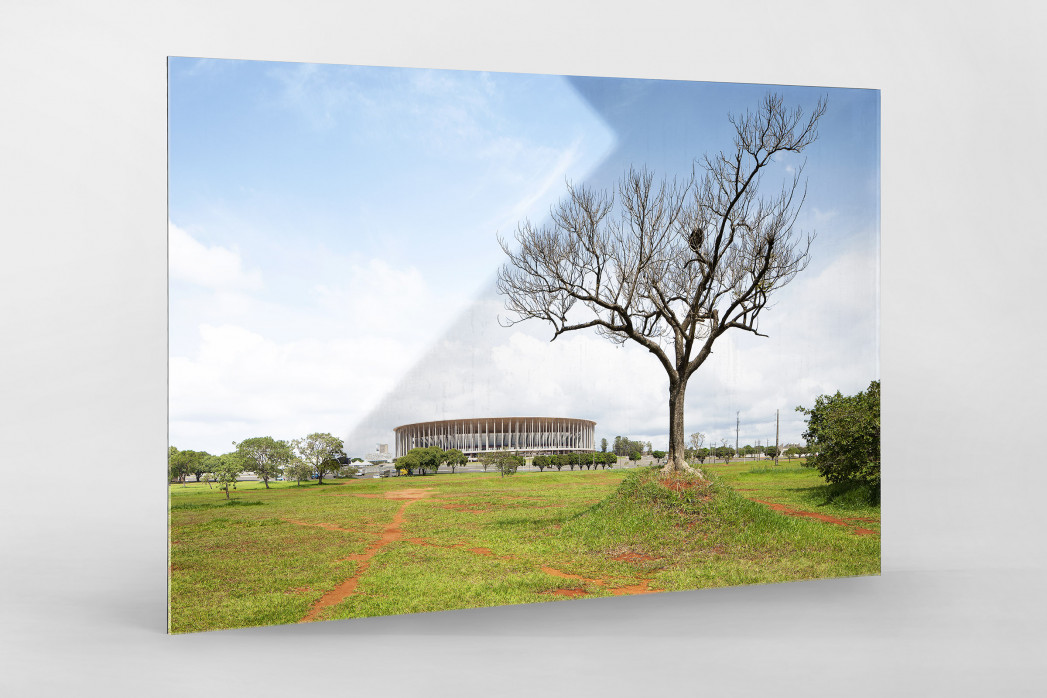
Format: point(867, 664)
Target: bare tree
point(697, 439)
point(670, 266)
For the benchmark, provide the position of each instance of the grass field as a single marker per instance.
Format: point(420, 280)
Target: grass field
point(355, 548)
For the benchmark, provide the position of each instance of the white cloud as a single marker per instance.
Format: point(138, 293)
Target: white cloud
point(252, 386)
point(212, 267)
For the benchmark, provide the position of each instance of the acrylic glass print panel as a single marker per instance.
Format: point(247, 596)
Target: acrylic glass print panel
point(366, 268)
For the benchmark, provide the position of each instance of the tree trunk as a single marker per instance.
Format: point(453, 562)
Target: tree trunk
point(677, 457)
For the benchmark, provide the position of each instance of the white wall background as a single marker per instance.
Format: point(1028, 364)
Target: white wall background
point(958, 609)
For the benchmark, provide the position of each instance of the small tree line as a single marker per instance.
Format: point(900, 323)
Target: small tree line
point(425, 461)
point(590, 460)
point(315, 455)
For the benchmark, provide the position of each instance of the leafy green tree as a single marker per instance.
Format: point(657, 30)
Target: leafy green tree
point(321, 451)
point(843, 431)
point(181, 464)
point(509, 463)
point(177, 465)
point(658, 454)
point(227, 470)
point(634, 456)
point(198, 463)
point(409, 462)
point(540, 462)
point(429, 458)
point(724, 453)
point(603, 445)
point(455, 458)
point(265, 456)
point(298, 470)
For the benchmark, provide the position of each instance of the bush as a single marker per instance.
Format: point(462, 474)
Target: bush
point(843, 432)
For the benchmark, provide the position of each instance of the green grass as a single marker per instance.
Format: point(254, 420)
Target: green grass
point(483, 540)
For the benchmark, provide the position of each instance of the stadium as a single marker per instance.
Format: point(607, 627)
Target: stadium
point(472, 437)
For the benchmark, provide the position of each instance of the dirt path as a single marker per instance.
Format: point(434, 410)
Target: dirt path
point(391, 533)
point(781, 508)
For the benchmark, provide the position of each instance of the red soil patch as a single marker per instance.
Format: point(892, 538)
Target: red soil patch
point(781, 508)
point(391, 533)
point(642, 588)
point(480, 551)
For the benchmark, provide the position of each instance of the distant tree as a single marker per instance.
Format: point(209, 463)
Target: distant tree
point(298, 470)
point(227, 470)
point(558, 461)
point(199, 463)
point(454, 458)
point(540, 462)
point(724, 453)
point(702, 454)
point(603, 445)
point(360, 460)
point(844, 434)
point(321, 451)
point(610, 460)
point(177, 465)
point(265, 456)
point(409, 462)
point(429, 458)
point(658, 454)
point(509, 463)
point(696, 440)
point(634, 456)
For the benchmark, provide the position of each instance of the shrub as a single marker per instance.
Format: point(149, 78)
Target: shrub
point(843, 433)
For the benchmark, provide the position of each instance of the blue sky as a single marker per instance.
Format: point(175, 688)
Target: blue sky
point(333, 249)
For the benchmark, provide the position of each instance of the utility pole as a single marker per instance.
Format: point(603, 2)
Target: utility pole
point(737, 421)
point(776, 446)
